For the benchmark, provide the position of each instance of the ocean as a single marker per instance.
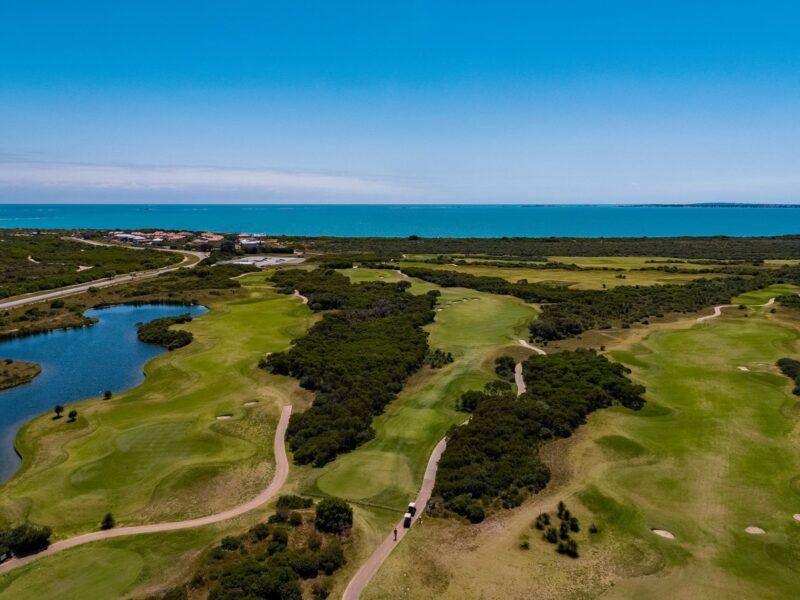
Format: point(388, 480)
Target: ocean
point(423, 220)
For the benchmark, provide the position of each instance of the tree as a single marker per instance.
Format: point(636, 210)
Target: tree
point(26, 539)
point(334, 515)
point(107, 395)
point(107, 522)
point(58, 410)
point(72, 415)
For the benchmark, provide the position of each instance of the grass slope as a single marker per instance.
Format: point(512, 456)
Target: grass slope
point(714, 451)
point(158, 452)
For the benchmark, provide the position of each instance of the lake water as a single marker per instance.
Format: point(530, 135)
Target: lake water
point(424, 220)
point(77, 364)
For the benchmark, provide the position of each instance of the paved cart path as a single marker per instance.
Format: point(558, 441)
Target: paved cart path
point(281, 473)
point(381, 553)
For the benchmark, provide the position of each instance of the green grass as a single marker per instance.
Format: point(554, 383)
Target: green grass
point(111, 569)
point(762, 296)
point(584, 280)
point(714, 452)
point(157, 452)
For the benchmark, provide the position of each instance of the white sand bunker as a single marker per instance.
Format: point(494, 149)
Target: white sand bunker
point(743, 368)
point(755, 530)
point(663, 533)
point(223, 417)
point(251, 403)
point(796, 516)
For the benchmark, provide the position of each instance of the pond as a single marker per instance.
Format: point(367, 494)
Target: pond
point(78, 364)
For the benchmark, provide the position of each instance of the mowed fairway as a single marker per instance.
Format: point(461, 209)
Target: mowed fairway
point(582, 280)
point(159, 452)
point(715, 451)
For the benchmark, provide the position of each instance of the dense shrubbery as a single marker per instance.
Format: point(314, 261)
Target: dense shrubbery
point(717, 247)
point(789, 301)
point(158, 332)
point(271, 561)
point(25, 539)
point(494, 457)
point(791, 368)
point(29, 263)
point(436, 359)
point(355, 359)
point(568, 312)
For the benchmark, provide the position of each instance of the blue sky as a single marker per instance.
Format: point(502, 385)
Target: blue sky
point(569, 102)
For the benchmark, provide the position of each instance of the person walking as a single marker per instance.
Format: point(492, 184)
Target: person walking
point(395, 534)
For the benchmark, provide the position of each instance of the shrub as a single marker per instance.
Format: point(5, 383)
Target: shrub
point(333, 515)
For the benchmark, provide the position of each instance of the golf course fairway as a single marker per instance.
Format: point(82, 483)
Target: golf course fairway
point(714, 451)
point(159, 452)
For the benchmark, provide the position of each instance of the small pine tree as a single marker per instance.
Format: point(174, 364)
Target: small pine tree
point(563, 530)
point(574, 525)
point(593, 528)
point(58, 410)
point(561, 508)
point(551, 535)
point(73, 414)
point(108, 522)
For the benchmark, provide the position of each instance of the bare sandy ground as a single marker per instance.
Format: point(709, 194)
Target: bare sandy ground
point(663, 533)
point(755, 530)
point(281, 473)
point(796, 516)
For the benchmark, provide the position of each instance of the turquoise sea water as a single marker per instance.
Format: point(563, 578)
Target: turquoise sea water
point(404, 220)
point(77, 364)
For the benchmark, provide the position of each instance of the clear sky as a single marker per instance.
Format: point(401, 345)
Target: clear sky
point(414, 101)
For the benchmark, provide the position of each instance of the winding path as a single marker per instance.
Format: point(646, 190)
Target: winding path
point(281, 473)
point(299, 295)
point(718, 309)
point(519, 379)
point(101, 283)
point(525, 344)
point(367, 571)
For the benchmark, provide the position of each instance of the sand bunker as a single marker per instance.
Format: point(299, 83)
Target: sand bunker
point(755, 530)
point(663, 533)
point(797, 516)
point(223, 417)
point(251, 403)
point(743, 368)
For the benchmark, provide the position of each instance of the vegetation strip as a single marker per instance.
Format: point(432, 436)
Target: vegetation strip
point(356, 359)
point(568, 313)
point(492, 461)
point(278, 479)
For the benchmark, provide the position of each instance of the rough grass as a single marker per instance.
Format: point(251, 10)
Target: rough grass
point(158, 452)
point(715, 450)
point(584, 280)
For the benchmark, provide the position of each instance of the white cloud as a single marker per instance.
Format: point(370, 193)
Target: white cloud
point(129, 177)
